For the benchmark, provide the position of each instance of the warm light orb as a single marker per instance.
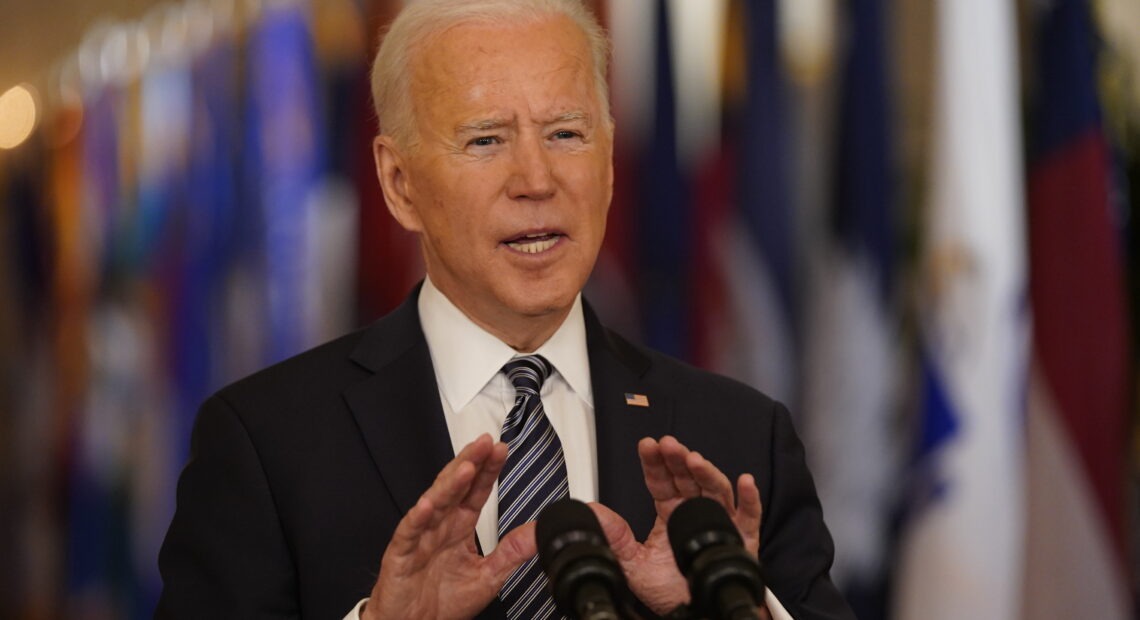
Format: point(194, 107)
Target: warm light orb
point(17, 116)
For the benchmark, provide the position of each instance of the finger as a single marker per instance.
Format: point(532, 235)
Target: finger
point(485, 478)
point(477, 450)
point(749, 504)
point(409, 531)
point(474, 453)
point(675, 455)
point(453, 483)
point(712, 482)
point(749, 511)
point(657, 477)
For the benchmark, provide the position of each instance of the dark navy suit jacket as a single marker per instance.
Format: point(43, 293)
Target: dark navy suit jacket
point(299, 473)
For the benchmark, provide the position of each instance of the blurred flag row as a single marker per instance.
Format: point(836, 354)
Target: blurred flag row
point(953, 333)
point(174, 227)
point(949, 322)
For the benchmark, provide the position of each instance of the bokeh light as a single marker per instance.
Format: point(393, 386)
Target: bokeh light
point(18, 112)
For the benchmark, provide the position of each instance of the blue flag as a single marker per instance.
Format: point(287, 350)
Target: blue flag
point(286, 152)
point(664, 212)
point(851, 337)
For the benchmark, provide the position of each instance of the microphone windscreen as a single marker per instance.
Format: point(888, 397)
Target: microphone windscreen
point(563, 522)
point(696, 524)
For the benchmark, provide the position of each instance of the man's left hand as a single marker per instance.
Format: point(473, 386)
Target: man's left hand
point(673, 473)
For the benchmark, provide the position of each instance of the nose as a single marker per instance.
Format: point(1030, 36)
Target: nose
point(532, 177)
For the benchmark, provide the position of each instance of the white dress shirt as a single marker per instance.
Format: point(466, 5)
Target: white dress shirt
point(476, 394)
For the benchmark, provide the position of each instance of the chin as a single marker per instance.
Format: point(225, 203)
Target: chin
point(544, 300)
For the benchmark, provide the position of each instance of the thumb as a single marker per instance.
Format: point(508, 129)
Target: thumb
point(513, 549)
point(617, 532)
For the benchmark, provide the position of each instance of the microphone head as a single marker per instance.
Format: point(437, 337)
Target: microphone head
point(577, 560)
point(697, 524)
point(565, 522)
point(724, 578)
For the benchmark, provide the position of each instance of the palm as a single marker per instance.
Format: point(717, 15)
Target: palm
point(431, 568)
point(653, 574)
point(441, 581)
point(673, 474)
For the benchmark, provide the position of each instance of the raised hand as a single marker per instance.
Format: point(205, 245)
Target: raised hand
point(432, 568)
point(673, 473)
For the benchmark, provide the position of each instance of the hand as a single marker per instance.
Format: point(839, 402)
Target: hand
point(673, 473)
point(432, 568)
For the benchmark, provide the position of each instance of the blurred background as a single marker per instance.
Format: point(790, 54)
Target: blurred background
point(910, 220)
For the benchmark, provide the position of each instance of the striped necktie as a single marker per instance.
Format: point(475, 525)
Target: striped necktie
point(533, 476)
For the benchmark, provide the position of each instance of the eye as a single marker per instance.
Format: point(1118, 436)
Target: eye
point(483, 141)
point(565, 134)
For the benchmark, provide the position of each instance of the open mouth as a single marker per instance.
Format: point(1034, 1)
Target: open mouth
point(534, 243)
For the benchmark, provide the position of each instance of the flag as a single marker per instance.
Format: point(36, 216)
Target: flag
point(745, 248)
point(636, 400)
point(190, 133)
point(341, 46)
point(388, 257)
point(1080, 389)
point(850, 338)
point(97, 557)
point(286, 154)
point(29, 435)
point(612, 287)
point(961, 546)
point(56, 375)
point(663, 217)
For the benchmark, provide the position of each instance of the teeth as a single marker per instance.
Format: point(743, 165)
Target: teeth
point(542, 244)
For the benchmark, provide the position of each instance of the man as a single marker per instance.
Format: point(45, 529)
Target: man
point(364, 472)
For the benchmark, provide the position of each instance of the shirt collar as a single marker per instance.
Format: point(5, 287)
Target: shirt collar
point(466, 356)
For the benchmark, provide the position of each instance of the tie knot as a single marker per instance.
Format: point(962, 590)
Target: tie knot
point(527, 373)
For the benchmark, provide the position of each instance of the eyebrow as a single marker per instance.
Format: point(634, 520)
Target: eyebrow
point(569, 117)
point(498, 123)
point(482, 125)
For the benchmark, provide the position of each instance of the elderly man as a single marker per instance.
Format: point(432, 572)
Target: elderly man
point(363, 476)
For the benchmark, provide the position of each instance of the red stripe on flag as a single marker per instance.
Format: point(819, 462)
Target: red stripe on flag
point(1080, 327)
point(713, 203)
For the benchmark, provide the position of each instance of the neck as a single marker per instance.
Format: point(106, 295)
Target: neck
point(524, 334)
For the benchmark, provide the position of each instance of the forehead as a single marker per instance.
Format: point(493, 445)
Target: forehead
point(478, 67)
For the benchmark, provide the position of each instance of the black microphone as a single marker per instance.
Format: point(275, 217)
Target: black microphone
point(724, 578)
point(584, 575)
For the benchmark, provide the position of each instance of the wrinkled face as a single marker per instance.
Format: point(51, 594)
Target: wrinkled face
point(511, 178)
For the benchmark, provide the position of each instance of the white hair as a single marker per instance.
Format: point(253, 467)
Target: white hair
point(420, 19)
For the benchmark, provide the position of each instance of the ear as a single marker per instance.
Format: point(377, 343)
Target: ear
point(391, 171)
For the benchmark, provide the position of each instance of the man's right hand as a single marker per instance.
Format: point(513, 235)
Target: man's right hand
point(432, 568)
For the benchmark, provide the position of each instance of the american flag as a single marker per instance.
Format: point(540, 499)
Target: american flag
point(636, 400)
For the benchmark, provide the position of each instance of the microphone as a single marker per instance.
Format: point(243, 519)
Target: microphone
point(724, 578)
point(584, 575)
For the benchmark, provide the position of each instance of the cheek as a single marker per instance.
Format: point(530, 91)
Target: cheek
point(596, 192)
point(460, 231)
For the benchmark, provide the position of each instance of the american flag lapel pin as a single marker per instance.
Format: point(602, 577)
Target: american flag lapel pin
point(636, 400)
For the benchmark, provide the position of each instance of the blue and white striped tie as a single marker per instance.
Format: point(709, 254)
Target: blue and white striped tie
point(533, 476)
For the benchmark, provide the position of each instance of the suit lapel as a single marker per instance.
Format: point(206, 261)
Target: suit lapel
point(618, 369)
point(397, 408)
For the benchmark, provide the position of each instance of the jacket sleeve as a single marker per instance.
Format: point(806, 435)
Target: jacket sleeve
point(225, 554)
point(796, 549)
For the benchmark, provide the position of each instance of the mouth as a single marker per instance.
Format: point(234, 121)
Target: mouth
point(534, 243)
